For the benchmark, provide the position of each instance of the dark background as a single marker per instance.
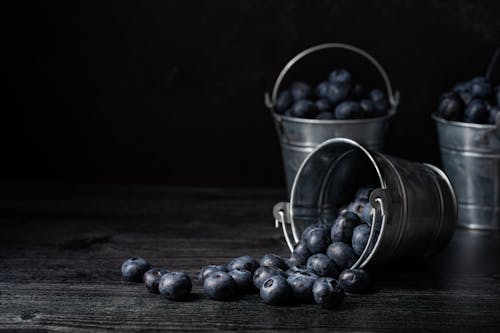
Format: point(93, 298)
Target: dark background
point(171, 92)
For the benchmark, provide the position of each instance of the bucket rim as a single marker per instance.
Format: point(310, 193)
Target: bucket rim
point(280, 117)
point(461, 123)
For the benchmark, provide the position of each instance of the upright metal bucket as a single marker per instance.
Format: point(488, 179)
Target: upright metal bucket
point(298, 137)
point(415, 201)
point(470, 154)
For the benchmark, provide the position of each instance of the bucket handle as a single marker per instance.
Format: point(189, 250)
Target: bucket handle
point(281, 216)
point(393, 96)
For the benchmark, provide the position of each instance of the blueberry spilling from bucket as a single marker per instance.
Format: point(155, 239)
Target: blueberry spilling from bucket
point(337, 97)
point(474, 101)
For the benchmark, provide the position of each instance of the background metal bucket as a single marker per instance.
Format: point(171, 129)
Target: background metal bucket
point(470, 154)
point(298, 137)
point(414, 204)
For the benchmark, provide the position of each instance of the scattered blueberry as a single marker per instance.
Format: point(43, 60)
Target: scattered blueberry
point(451, 107)
point(273, 260)
point(321, 265)
point(265, 272)
point(220, 286)
point(477, 112)
point(244, 262)
point(341, 76)
point(176, 286)
point(152, 279)
point(301, 285)
point(307, 230)
point(300, 90)
point(318, 240)
point(304, 109)
point(284, 101)
point(360, 238)
point(243, 279)
point(348, 110)
point(344, 226)
point(328, 293)
point(296, 260)
point(342, 254)
point(133, 269)
point(355, 281)
point(301, 249)
point(275, 290)
point(207, 270)
point(297, 269)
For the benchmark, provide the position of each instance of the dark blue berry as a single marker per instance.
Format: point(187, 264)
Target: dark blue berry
point(342, 254)
point(273, 260)
point(152, 279)
point(349, 110)
point(380, 101)
point(297, 269)
point(363, 193)
point(466, 97)
point(284, 101)
point(175, 286)
point(304, 109)
point(481, 89)
point(324, 105)
point(300, 90)
point(343, 227)
point(368, 108)
point(275, 290)
point(133, 269)
point(461, 87)
point(451, 107)
point(355, 281)
point(360, 238)
point(321, 265)
point(301, 249)
point(358, 91)
point(243, 279)
point(207, 270)
point(296, 260)
point(301, 286)
point(244, 262)
point(337, 92)
point(328, 293)
point(265, 272)
point(341, 76)
point(318, 240)
point(477, 112)
point(220, 286)
point(306, 231)
point(322, 89)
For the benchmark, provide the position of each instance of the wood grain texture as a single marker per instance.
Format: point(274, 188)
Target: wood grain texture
point(61, 250)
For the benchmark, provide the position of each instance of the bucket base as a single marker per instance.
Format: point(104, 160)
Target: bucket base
point(478, 217)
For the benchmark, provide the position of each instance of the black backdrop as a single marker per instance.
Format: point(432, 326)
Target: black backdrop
point(171, 92)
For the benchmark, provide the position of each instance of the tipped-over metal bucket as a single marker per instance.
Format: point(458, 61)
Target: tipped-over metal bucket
point(470, 154)
point(414, 206)
point(298, 137)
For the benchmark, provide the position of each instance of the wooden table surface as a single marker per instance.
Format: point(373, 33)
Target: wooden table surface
point(61, 248)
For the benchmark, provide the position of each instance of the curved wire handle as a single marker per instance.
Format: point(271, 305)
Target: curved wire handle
point(393, 96)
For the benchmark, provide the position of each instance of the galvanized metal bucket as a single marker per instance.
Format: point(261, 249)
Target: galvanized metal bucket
point(414, 205)
point(298, 137)
point(470, 154)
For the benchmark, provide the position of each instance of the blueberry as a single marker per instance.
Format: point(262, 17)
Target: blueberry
point(341, 76)
point(481, 89)
point(318, 240)
point(265, 272)
point(337, 92)
point(152, 279)
point(466, 97)
point(297, 269)
point(243, 279)
point(360, 237)
point(358, 91)
point(301, 249)
point(322, 89)
point(323, 105)
point(284, 101)
point(342, 254)
point(349, 110)
point(275, 290)
point(368, 108)
point(133, 269)
point(304, 109)
point(363, 193)
point(328, 293)
point(326, 116)
point(344, 226)
point(321, 265)
point(296, 260)
point(451, 107)
point(380, 101)
point(356, 206)
point(461, 87)
point(220, 286)
point(301, 286)
point(367, 215)
point(176, 286)
point(306, 231)
point(493, 114)
point(355, 281)
point(244, 262)
point(273, 260)
point(207, 270)
point(300, 90)
point(477, 112)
